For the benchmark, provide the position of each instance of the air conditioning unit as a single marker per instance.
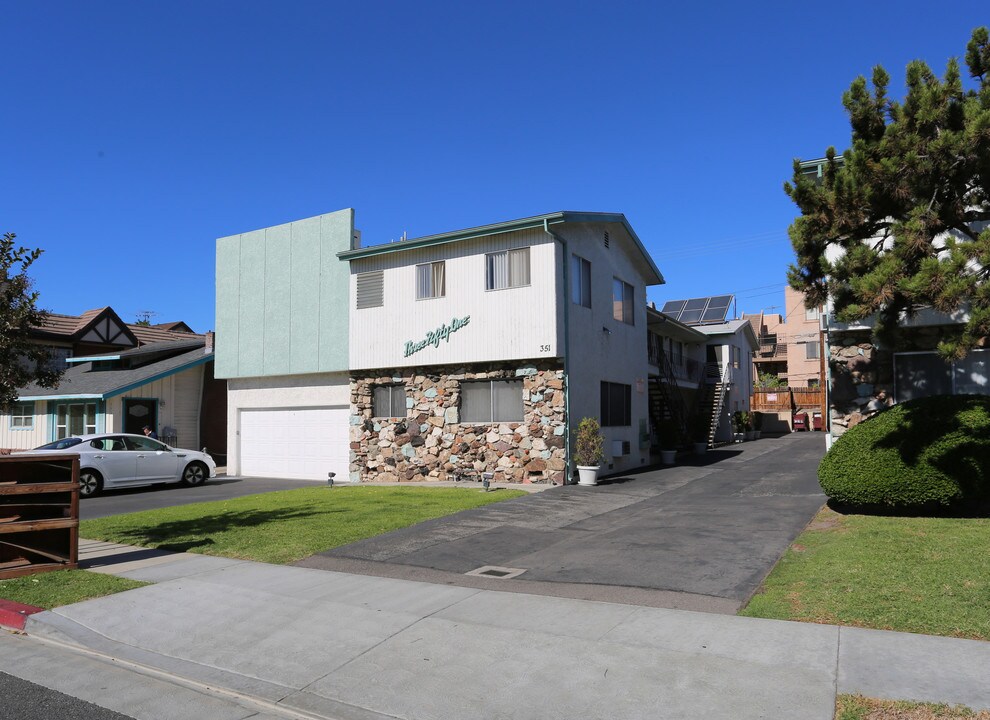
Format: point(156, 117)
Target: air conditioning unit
point(620, 447)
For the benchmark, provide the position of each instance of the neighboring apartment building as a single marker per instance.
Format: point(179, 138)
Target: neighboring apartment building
point(119, 377)
point(474, 350)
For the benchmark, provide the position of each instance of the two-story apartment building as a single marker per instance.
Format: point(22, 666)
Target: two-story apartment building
point(473, 350)
point(481, 349)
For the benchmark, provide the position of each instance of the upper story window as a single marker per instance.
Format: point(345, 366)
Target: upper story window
point(507, 269)
point(22, 415)
point(388, 401)
point(811, 314)
point(370, 289)
point(580, 281)
point(622, 301)
point(811, 350)
point(488, 401)
point(430, 281)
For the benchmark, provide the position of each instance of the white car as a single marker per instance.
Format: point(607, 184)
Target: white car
point(118, 460)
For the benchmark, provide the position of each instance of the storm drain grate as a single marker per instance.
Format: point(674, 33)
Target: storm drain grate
point(493, 571)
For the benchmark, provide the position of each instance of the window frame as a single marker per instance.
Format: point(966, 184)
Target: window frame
point(608, 389)
point(627, 302)
point(489, 276)
point(817, 350)
point(17, 412)
point(432, 276)
point(491, 400)
point(391, 387)
point(580, 281)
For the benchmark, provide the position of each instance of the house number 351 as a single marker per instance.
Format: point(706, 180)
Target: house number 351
point(544, 348)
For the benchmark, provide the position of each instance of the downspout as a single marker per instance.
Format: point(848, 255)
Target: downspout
point(567, 353)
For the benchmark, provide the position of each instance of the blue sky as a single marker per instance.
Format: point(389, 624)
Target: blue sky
point(133, 134)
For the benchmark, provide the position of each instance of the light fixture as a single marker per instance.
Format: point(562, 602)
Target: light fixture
point(606, 330)
point(330, 477)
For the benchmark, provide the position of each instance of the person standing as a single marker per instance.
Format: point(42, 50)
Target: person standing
point(149, 432)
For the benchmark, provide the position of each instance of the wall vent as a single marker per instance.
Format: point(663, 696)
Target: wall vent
point(370, 289)
point(606, 238)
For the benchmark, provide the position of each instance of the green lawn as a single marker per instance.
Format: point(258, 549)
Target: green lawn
point(285, 526)
point(857, 707)
point(63, 587)
point(925, 575)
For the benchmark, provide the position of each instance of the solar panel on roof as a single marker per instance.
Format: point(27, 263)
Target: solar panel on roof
point(698, 311)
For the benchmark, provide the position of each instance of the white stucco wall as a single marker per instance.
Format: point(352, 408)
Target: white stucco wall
point(288, 391)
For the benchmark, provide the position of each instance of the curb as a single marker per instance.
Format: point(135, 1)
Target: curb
point(14, 615)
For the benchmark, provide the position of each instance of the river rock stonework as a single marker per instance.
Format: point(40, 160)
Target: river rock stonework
point(431, 442)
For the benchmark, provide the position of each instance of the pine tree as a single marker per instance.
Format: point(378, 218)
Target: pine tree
point(21, 361)
point(899, 221)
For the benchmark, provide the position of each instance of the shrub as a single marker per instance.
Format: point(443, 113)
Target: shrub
point(590, 450)
point(925, 452)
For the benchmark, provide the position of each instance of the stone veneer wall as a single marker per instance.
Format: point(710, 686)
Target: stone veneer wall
point(860, 369)
point(430, 442)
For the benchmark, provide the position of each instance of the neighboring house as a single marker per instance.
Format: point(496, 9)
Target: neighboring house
point(474, 350)
point(858, 367)
point(770, 358)
point(677, 355)
point(118, 378)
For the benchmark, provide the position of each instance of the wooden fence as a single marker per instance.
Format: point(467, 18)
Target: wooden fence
point(787, 399)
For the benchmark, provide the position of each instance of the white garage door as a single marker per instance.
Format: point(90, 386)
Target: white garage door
point(303, 443)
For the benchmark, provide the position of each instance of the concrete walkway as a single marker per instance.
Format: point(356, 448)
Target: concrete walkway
point(335, 645)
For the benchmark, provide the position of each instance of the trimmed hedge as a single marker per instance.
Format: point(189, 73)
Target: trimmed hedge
point(931, 451)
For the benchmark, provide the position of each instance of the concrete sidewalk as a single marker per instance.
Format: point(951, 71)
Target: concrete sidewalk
point(352, 647)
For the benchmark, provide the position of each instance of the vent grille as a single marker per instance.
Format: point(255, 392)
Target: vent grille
point(606, 239)
point(370, 289)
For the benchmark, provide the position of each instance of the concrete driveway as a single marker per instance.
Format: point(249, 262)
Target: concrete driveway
point(701, 535)
point(117, 502)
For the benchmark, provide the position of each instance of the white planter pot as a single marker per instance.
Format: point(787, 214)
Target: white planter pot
point(739, 437)
point(668, 457)
point(699, 448)
point(587, 474)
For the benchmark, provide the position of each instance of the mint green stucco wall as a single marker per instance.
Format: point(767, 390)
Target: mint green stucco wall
point(282, 298)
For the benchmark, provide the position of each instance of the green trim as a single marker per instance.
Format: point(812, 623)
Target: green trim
point(539, 222)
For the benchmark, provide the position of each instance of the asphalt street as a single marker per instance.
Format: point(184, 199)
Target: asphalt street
point(23, 700)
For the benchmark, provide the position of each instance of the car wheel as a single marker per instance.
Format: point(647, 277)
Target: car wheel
point(90, 483)
point(195, 474)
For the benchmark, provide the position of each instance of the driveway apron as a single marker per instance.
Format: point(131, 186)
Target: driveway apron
point(706, 531)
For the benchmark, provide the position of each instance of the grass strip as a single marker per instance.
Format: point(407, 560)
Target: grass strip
point(63, 587)
point(857, 707)
point(913, 574)
point(287, 525)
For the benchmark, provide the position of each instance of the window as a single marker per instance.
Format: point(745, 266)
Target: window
point(487, 401)
point(143, 443)
point(622, 301)
point(677, 352)
point(22, 415)
point(389, 401)
point(736, 357)
point(811, 313)
point(507, 269)
point(370, 289)
point(814, 383)
point(921, 374)
point(430, 280)
point(75, 419)
point(811, 350)
point(616, 404)
point(580, 281)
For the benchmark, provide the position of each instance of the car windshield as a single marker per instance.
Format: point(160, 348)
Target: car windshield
point(60, 444)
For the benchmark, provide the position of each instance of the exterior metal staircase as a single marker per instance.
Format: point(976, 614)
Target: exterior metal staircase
point(666, 401)
point(711, 396)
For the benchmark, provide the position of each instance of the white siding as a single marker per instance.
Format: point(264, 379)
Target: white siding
point(186, 403)
point(514, 323)
point(22, 438)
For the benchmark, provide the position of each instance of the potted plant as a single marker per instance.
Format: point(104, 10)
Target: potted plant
point(669, 438)
point(738, 426)
point(699, 427)
point(589, 451)
point(748, 424)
